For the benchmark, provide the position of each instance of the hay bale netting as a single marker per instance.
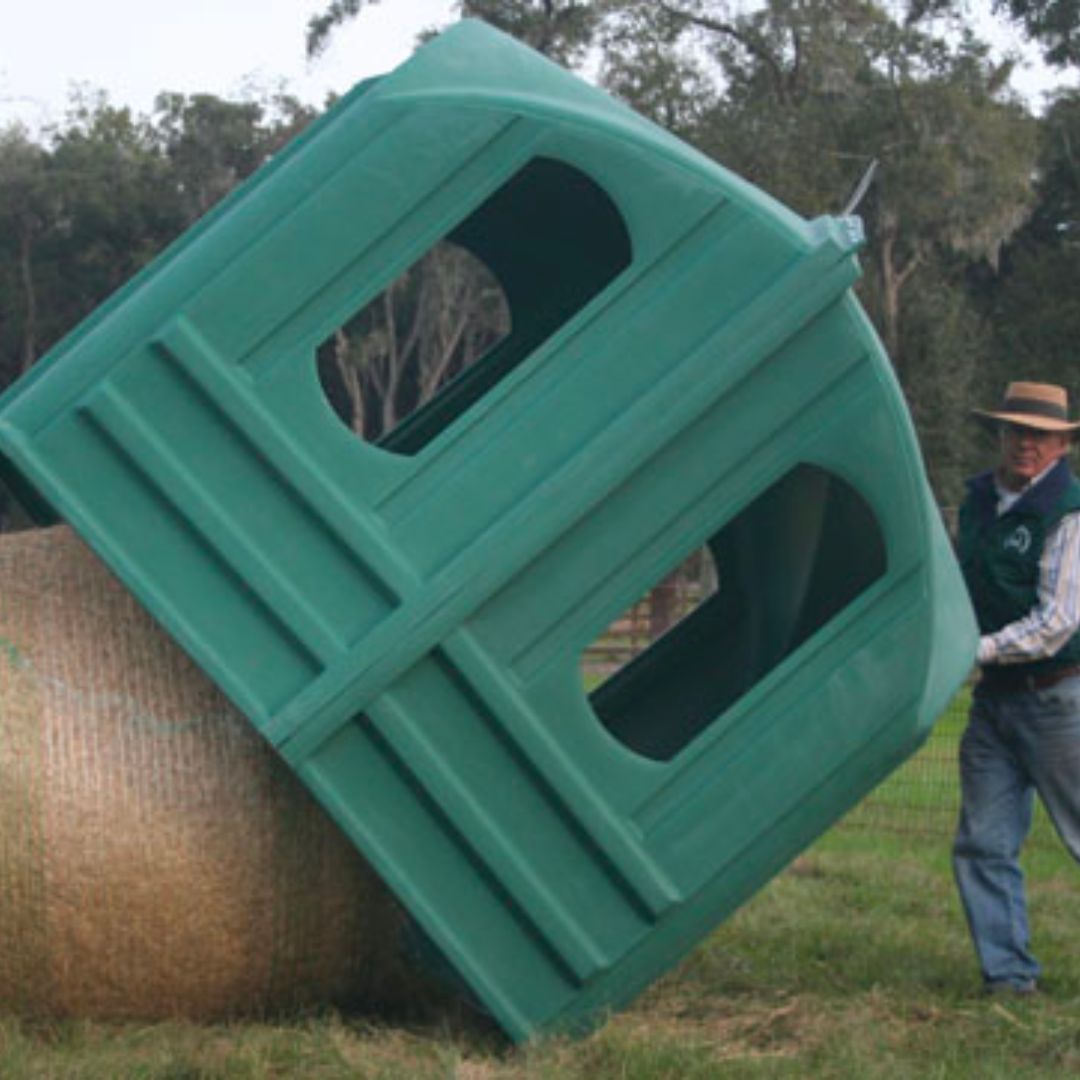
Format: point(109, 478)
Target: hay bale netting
point(156, 857)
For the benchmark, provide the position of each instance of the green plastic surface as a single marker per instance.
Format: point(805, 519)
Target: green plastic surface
point(405, 622)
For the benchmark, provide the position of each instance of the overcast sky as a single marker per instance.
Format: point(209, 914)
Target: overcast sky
point(135, 48)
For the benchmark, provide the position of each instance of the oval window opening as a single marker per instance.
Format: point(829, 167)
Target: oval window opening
point(785, 566)
point(478, 304)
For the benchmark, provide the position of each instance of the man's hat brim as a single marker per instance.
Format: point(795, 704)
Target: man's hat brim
point(1031, 420)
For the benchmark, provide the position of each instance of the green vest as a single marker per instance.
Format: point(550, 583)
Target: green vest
point(1000, 555)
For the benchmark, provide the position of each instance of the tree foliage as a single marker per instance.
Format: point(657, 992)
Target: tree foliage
point(320, 27)
point(971, 221)
point(83, 210)
point(26, 216)
point(426, 327)
point(801, 96)
point(1054, 24)
point(561, 29)
point(211, 144)
point(1032, 304)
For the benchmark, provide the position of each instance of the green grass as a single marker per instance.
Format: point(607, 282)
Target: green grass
point(923, 797)
point(853, 963)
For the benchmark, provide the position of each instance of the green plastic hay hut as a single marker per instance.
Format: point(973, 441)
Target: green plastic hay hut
point(405, 621)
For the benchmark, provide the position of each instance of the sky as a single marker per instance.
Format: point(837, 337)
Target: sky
point(132, 49)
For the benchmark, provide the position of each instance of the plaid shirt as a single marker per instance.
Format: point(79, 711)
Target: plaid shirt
point(1056, 617)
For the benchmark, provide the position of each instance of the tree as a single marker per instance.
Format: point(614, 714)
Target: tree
point(116, 208)
point(800, 96)
point(829, 87)
point(85, 209)
point(212, 144)
point(433, 322)
point(645, 63)
point(1033, 303)
point(321, 27)
point(26, 213)
point(561, 29)
point(948, 349)
point(1054, 24)
point(814, 90)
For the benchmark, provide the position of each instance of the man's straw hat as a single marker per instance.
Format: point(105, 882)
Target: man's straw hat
point(1035, 405)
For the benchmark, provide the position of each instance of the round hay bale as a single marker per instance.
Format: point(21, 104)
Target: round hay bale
point(157, 859)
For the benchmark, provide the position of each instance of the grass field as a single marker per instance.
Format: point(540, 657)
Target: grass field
point(852, 963)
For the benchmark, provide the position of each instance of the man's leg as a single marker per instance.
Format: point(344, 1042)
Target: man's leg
point(1049, 740)
point(995, 817)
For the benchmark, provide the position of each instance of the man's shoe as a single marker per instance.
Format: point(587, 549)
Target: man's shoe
point(1022, 988)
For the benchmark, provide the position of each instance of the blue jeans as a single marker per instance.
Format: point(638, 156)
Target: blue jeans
point(1015, 744)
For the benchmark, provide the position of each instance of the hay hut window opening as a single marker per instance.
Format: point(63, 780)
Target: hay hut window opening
point(468, 312)
point(791, 561)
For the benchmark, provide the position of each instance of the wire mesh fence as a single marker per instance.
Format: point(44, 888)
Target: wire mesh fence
point(922, 798)
point(919, 801)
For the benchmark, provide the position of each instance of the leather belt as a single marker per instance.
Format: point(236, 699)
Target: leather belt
point(1004, 679)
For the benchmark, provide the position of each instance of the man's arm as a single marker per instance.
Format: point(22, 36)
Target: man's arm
point(1056, 616)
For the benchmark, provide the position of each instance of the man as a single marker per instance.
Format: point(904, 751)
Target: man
point(1019, 544)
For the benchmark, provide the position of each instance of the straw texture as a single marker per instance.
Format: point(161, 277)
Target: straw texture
point(156, 858)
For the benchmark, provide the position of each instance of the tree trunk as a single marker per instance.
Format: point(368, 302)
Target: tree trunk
point(350, 381)
point(26, 279)
point(893, 280)
point(664, 606)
